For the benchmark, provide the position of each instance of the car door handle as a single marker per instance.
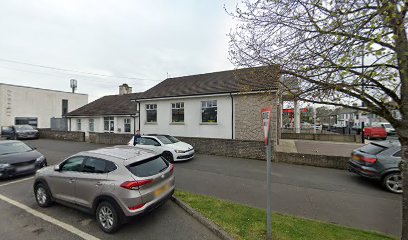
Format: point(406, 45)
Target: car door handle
point(71, 180)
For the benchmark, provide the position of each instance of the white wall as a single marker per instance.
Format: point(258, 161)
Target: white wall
point(119, 122)
point(17, 101)
point(192, 126)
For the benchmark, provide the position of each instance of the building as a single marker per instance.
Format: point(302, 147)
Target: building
point(223, 105)
point(35, 106)
point(110, 114)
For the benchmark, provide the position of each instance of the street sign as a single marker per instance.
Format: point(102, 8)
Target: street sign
point(266, 122)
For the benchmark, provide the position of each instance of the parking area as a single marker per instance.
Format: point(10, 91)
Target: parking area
point(330, 195)
point(22, 218)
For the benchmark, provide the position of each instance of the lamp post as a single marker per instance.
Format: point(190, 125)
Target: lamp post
point(362, 89)
point(134, 118)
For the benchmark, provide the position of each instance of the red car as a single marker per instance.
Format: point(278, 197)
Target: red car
point(375, 132)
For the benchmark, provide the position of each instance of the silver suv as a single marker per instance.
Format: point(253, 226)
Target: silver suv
point(113, 183)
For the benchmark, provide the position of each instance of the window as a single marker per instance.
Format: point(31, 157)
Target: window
point(177, 112)
point(127, 125)
point(92, 125)
point(64, 106)
point(73, 164)
point(209, 111)
point(94, 165)
point(78, 124)
point(148, 167)
point(26, 121)
point(166, 139)
point(151, 113)
point(108, 124)
point(149, 141)
point(397, 154)
point(372, 148)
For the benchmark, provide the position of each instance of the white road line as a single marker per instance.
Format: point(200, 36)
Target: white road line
point(47, 218)
point(17, 181)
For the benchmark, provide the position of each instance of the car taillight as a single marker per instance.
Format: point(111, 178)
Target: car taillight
point(368, 160)
point(171, 167)
point(136, 207)
point(133, 185)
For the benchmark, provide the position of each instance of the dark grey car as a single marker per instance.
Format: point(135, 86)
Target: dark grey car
point(379, 161)
point(20, 132)
point(17, 158)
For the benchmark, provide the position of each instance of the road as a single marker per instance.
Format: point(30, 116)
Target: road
point(325, 194)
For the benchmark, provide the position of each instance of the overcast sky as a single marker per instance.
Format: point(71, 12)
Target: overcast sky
point(137, 39)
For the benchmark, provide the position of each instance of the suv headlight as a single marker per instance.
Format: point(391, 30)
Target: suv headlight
point(4, 165)
point(179, 151)
point(41, 158)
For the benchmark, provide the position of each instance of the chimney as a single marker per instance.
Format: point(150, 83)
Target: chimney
point(125, 89)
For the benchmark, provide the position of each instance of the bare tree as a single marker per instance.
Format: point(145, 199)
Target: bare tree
point(342, 51)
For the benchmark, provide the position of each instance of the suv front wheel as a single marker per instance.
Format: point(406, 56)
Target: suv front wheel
point(107, 217)
point(42, 195)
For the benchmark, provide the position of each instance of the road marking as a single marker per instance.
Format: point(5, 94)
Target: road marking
point(47, 218)
point(17, 181)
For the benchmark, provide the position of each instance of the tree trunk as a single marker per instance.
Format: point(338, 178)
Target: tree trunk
point(404, 171)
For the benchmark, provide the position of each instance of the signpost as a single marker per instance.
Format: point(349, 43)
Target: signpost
point(266, 124)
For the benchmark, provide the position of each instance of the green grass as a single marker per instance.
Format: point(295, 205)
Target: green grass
point(243, 222)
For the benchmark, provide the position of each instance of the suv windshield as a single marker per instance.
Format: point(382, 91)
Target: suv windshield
point(23, 127)
point(387, 125)
point(13, 147)
point(166, 139)
point(148, 167)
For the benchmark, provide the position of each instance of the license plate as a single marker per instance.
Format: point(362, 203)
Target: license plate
point(25, 168)
point(161, 190)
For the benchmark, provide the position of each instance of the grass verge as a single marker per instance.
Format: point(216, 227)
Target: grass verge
point(243, 222)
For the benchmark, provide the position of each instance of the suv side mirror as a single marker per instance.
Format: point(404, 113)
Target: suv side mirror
point(57, 168)
point(157, 144)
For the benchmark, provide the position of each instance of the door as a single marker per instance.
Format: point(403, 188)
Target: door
point(90, 181)
point(150, 144)
point(62, 182)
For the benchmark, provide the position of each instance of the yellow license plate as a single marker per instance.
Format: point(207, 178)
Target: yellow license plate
point(161, 190)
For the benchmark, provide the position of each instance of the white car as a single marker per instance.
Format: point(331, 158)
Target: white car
point(171, 148)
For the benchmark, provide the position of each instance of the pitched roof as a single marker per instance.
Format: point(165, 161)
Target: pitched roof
point(247, 79)
point(108, 105)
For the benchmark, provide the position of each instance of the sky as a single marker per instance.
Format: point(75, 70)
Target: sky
point(135, 42)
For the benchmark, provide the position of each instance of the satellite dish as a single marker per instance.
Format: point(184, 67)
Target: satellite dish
point(73, 85)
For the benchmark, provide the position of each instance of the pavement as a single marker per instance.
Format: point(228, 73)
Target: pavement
point(317, 193)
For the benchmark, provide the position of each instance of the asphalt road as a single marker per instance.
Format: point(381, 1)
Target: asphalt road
point(167, 222)
point(317, 193)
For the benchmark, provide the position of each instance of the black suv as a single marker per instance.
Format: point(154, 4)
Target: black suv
point(379, 161)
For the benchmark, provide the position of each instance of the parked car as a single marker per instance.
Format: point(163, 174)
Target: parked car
point(19, 132)
point(113, 183)
point(375, 133)
point(379, 161)
point(171, 148)
point(387, 126)
point(17, 158)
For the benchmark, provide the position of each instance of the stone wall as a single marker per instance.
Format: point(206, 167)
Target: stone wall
point(337, 162)
point(322, 137)
point(110, 138)
point(62, 135)
point(248, 121)
point(227, 147)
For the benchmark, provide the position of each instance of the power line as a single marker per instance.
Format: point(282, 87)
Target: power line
point(75, 71)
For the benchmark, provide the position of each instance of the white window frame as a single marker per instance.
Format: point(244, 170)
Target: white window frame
point(151, 107)
point(78, 124)
point(111, 124)
point(91, 125)
point(177, 106)
point(127, 121)
point(209, 104)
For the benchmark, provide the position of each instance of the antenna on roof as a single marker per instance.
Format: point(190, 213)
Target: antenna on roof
point(73, 85)
point(168, 75)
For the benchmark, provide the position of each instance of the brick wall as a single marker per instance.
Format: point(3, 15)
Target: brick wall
point(248, 121)
point(62, 135)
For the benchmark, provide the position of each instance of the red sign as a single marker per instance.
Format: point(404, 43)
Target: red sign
point(266, 122)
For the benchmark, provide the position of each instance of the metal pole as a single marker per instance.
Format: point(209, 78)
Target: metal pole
point(269, 190)
point(314, 119)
